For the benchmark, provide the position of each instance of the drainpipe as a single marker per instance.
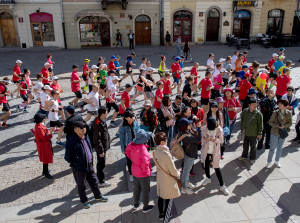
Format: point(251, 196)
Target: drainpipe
point(63, 23)
point(161, 22)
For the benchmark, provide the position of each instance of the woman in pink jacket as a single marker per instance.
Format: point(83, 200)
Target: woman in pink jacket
point(137, 152)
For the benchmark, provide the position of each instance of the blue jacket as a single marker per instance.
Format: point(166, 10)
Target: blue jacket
point(75, 153)
point(126, 136)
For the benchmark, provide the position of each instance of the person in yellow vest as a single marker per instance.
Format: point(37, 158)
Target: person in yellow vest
point(261, 82)
point(162, 66)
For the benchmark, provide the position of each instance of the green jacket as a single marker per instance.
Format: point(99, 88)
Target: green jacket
point(252, 122)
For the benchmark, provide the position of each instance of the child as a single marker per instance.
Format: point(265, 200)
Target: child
point(50, 62)
point(194, 73)
point(162, 66)
point(55, 86)
point(23, 93)
point(206, 86)
point(167, 84)
point(103, 77)
point(158, 95)
point(243, 87)
point(92, 99)
point(85, 73)
point(143, 66)
point(212, 137)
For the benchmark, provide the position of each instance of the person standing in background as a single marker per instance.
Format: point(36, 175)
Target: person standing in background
point(168, 39)
point(119, 38)
point(131, 39)
point(178, 45)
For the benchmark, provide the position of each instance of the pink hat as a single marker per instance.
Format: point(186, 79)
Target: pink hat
point(219, 100)
point(227, 89)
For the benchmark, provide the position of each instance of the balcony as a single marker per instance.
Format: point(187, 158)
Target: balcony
point(5, 2)
point(104, 3)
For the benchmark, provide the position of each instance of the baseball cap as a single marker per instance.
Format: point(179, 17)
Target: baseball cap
point(118, 56)
point(113, 57)
point(274, 55)
point(245, 66)
point(19, 61)
point(178, 58)
point(54, 78)
point(47, 87)
point(115, 78)
point(281, 49)
point(46, 64)
point(222, 60)
point(222, 70)
point(94, 67)
point(248, 75)
point(252, 91)
point(128, 85)
point(70, 109)
point(75, 66)
point(281, 57)
point(184, 121)
point(87, 60)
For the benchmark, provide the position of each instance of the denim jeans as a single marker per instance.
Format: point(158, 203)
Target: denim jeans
point(119, 42)
point(276, 142)
point(170, 135)
point(178, 50)
point(231, 128)
point(188, 163)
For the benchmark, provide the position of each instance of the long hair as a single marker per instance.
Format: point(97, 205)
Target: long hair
point(209, 114)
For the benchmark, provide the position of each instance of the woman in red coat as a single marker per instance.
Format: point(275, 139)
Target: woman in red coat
point(43, 143)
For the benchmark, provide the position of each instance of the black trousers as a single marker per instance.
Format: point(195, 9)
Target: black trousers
point(45, 169)
point(131, 46)
point(88, 175)
point(162, 205)
point(297, 127)
point(141, 185)
point(129, 163)
point(249, 141)
point(100, 168)
point(266, 133)
point(208, 159)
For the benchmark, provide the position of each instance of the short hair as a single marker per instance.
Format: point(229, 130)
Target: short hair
point(158, 83)
point(228, 58)
point(188, 78)
point(100, 58)
point(38, 76)
point(101, 110)
point(133, 53)
point(211, 54)
point(290, 88)
point(144, 58)
point(183, 128)
point(241, 54)
point(160, 137)
point(79, 124)
point(284, 102)
point(178, 97)
point(165, 100)
point(285, 70)
point(184, 110)
point(207, 73)
point(236, 51)
point(218, 65)
point(53, 92)
point(245, 52)
point(49, 55)
point(288, 62)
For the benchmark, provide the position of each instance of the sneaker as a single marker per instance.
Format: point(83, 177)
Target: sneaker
point(26, 111)
point(5, 125)
point(242, 158)
point(148, 208)
point(206, 181)
point(252, 161)
point(186, 191)
point(131, 178)
point(86, 205)
point(117, 134)
point(192, 174)
point(191, 186)
point(153, 174)
point(136, 206)
point(32, 131)
point(105, 184)
point(114, 123)
point(161, 217)
point(102, 199)
point(61, 143)
point(56, 130)
point(224, 190)
point(269, 165)
point(48, 176)
point(277, 164)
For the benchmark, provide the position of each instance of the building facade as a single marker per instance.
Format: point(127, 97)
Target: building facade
point(31, 23)
point(93, 23)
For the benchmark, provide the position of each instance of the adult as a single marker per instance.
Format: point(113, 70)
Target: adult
point(3, 100)
point(51, 63)
point(241, 75)
point(233, 60)
point(187, 91)
point(178, 46)
point(131, 39)
point(141, 168)
point(228, 69)
point(271, 66)
point(43, 142)
point(127, 134)
point(111, 65)
point(46, 74)
point(168, 39)
point(167, 188)
point(267, 107)
point(119, 38)
point(110, 98)
point(129, 64)
point(252, 94)
point(79, 155)
point(92, 101)
point(282, 82)
point(194, 74)
point(210, 62)
point(281, 120)
point(277, 65)
point(72, 118)
point(101, 142)
point(291, 98)
point(186, 49)
point(176, 73)
point(177, 106)
point(16, 76)
point(206, 86)
point(75, 85)
point(252, 124)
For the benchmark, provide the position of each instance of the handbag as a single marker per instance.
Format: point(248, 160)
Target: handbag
point(178, 181)
point(241, 134)
point(283, 133)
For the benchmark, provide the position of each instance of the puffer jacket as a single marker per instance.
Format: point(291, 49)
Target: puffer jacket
point(138, 154)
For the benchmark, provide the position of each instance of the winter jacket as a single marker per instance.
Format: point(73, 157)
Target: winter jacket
point(277, 119)
point(43, 143)
point(252, 122)
point(101, 138)
point(138, 154)
point(190, 143)
point(75, 153)
point(69, 130)
point(267, 107)
point(126, 136)
point(167, 187)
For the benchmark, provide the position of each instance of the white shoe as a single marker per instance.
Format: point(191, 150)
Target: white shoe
point(131, 178)
point(224, 190)
point(206, 181)
point(269, 165)
point(277, 164)
point(105, 184)
point(191, 186)
point(186, 191)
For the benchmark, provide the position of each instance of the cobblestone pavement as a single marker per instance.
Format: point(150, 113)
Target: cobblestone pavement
point(257, 194)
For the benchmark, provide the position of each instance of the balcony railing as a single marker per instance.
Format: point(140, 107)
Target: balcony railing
point(7, 2)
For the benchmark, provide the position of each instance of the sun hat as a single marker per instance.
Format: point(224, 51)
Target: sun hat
point(227, 89)
point(141, 136)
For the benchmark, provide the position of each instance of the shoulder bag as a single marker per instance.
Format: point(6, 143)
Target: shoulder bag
point(176, 148)
point(283, 133)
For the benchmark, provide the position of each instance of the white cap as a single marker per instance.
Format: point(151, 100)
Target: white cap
point(19, 61)
point(148, 103)
point(115, 78)
point(47, 87)
point(274, 55)
point(54, 78)
point(46, 64)
point(103, 65)
point(222, 60)
point(222, 70)
point(94, 67)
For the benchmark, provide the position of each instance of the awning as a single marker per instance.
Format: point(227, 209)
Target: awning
point(92, 12)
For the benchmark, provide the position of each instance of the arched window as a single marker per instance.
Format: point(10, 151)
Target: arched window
point(142, 18)
point(5, 15)
point(182, 25)
point(275, 22)
point(213, 13)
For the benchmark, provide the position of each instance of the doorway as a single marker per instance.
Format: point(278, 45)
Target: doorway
point(8, 29)
point(213, 25)
point(242, 24)
point(143, 30)
point(182, 25)
point(296, 24)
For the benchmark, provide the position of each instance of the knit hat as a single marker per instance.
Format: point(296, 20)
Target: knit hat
point(141, 136)
point(211, 123)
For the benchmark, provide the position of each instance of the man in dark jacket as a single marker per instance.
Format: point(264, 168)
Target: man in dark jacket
point(72, 118)
point(79, 155)
point(101, 142)
point(267, 107)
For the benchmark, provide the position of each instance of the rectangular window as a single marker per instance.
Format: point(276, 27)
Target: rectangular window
point(48, 31)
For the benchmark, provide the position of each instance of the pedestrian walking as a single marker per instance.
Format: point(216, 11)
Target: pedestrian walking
point(119, 38)
point(168, 39)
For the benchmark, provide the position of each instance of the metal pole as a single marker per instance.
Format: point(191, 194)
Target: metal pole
point(63, 23)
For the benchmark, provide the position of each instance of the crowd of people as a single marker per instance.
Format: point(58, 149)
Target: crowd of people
point(201, 118)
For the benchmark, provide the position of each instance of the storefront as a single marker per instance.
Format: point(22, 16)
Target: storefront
point(182, 25)
point(275, 22)
point(241, 24)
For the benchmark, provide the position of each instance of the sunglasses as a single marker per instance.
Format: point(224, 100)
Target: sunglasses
point(214, 106)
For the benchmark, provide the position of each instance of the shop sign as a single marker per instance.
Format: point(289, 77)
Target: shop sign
point(226, 23)
point(275, 13)
point(246, 3)
point(200, 14)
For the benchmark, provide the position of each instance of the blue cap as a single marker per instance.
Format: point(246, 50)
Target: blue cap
point(184, 121)
point(245, 66)
point(113, 57)
point(281, 49)
point(252, 91)
point(178, 58)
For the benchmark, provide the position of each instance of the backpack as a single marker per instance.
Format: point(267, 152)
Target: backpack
point(176, 147)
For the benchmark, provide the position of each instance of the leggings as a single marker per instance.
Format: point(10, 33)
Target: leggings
point(129, 163)
point(217, 170)
point(161, 203)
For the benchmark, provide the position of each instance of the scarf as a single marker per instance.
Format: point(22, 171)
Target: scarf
point(169, 111)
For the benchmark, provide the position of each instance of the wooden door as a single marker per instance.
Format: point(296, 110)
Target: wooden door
point(37, 37)
point(212, 31)
point(143, 33)
point(8, 32)
point(105, 34)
